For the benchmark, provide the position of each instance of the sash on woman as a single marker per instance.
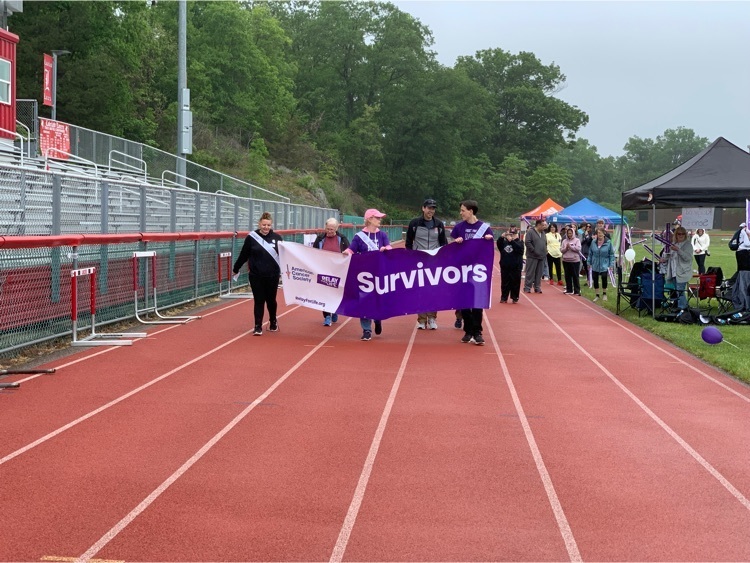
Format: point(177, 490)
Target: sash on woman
point(266, 246)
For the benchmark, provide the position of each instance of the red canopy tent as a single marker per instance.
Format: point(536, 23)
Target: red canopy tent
point(546, 209)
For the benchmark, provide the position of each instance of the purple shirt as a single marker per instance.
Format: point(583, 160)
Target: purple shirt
point(357, 246)
point(465, 231)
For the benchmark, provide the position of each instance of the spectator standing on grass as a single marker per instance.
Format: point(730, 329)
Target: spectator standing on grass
point(554, 256)
point(601, 258)
point(511, 265)
point(571, 260)
point(535, 243)
point(332, 240)
point(370, 239)
point(700, 243)
point(261, 252)
point(587, 237)
point(471, 228)
point(679, 264)
point(426, 232)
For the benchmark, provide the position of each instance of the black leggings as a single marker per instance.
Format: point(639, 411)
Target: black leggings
point(557, 263)
point(264, 294)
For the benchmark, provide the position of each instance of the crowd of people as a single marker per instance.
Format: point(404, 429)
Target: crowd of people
point(548, 252)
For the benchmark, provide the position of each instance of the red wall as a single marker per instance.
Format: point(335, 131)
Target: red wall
point(8, 42)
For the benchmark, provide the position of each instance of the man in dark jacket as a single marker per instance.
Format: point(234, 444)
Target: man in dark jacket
point(331, 239)
point(426, 232)
point(536, 253)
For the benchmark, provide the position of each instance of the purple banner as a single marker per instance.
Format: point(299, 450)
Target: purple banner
point(396, 282)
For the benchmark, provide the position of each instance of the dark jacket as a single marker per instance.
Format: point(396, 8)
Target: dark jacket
point(511, 253)
point(419, 237)
point(260, 262)
point(343, 241)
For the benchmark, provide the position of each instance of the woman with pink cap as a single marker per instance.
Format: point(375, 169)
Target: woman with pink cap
point(370, 239)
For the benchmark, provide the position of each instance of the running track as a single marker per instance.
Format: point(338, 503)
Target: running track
point(570, 436)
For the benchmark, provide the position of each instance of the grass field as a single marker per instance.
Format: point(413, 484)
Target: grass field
point(735, 361)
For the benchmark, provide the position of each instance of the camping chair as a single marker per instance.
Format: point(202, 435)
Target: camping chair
point(655, 293)
point(629, 293)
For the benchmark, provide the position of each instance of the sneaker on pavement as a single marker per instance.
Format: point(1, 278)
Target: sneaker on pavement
point(273, 326)
point(515, 301)
point(467, 338)
point(421, 326)
point(258, 330)
point(526, 290)
point(552, 282)
point(478, 340)
point(503, 301)
point(560, 282)
point(432, 324)
point(366, 335)
point(458, 324)
point(334, 318)
point(378, 327)
point(327, 321)
point(537, 291)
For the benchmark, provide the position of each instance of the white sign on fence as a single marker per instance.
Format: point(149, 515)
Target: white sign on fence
point(698, 218)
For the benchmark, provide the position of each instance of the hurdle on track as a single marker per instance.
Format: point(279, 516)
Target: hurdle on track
point(5, 372)
point(175, 319)
point(109, 339)
point(228, 295)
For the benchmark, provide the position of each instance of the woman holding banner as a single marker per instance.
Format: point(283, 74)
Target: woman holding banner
point(333, 241)
point(370, 239)
point(261, 252)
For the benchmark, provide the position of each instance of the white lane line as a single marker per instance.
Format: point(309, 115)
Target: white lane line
point(121, 398)
point(676, 437)
point(359, 492)
point(113, 348)
point(145, 503)
point(562, 522)
point(665, 351)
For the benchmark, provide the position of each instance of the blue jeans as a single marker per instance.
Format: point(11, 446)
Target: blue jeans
point(680, 290)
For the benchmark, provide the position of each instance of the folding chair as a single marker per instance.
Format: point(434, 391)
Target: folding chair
point(630, 291)
point(652, 292)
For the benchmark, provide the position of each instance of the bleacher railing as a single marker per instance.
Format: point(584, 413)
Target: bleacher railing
point(35, 277)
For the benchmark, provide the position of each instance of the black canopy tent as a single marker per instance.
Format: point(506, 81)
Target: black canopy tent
point(718, 176)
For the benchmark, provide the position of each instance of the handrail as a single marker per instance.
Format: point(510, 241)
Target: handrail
point(28, 134)
point(17, 135)
point(176, 175)
point(125, 165)
point(70, 156)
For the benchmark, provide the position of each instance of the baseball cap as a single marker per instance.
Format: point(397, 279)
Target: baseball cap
point(429, 202)
point(373, 213)
point(743, 225)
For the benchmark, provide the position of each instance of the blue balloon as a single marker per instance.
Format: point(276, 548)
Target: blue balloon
point(712, 335)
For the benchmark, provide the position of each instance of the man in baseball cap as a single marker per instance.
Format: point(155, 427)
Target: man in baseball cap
point(426, 232)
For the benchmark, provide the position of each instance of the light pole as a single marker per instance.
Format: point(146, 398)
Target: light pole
point(55, 54)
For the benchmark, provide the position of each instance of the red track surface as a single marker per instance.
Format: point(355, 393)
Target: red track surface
point(571, 435)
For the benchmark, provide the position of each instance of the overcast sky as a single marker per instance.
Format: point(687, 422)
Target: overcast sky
point(636, 68)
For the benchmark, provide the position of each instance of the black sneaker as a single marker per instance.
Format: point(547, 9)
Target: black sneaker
point(467, 338)
point(478, 340)
point(378, 327)
point(258, 330)
point(503, 301)
point(458, 324)
point(273, 326)
point(515, 301)
point(366, 335)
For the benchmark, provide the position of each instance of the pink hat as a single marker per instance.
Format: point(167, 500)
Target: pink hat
point(373, 213)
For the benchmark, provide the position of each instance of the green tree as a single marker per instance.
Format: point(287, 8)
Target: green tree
point(592, 176)
point(526, 118)
point(550, 180)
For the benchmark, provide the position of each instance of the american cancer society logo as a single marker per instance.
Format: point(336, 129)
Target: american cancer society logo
point(329, 281)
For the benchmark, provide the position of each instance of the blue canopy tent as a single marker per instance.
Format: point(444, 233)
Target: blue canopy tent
point(586, 211)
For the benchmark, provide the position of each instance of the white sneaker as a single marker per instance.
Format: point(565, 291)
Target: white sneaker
point(421, 326)
point(604, 297)
point(596, 299)
point(432, 324)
